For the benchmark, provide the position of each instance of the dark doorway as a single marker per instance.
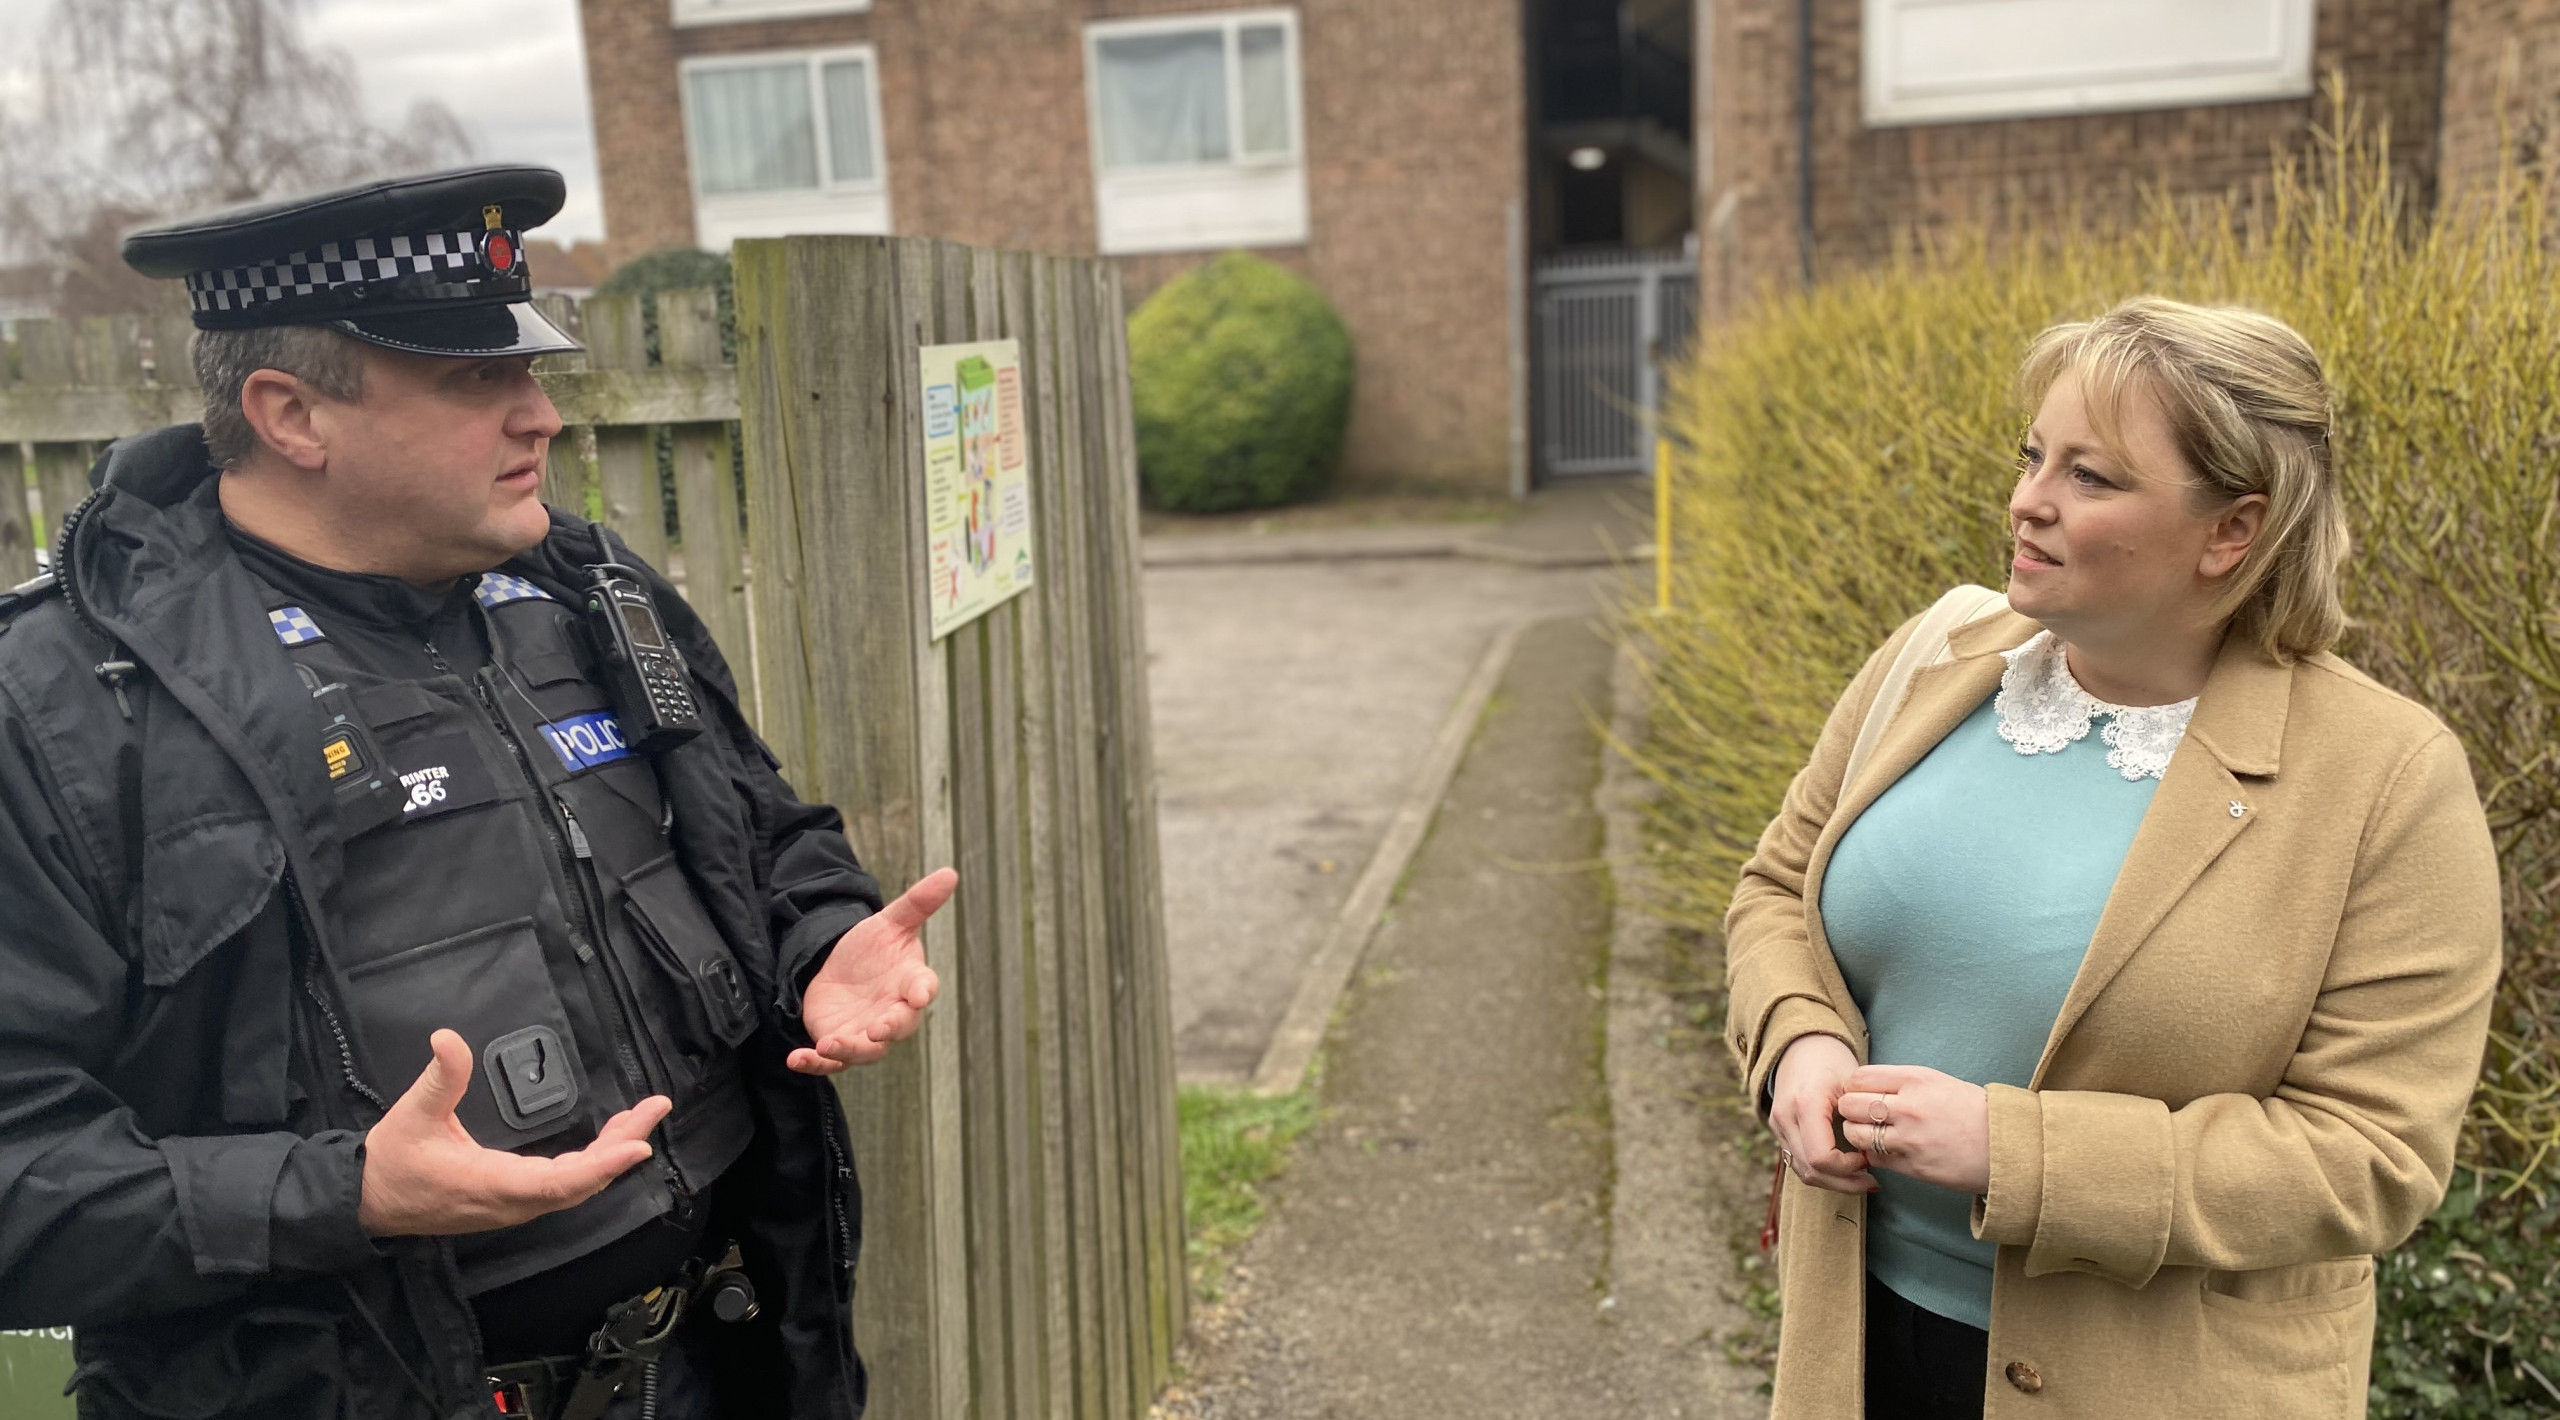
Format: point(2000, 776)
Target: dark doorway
point(1611, 202)
point(1609, 150)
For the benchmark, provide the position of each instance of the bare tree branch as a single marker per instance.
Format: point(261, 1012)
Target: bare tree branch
point(152, 108)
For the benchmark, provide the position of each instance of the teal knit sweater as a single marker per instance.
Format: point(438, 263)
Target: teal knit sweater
point(1959, 907)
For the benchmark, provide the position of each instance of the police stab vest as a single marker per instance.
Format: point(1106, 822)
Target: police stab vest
point(509, 876)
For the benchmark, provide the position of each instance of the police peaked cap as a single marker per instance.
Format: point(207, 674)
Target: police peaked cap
point(432, 263)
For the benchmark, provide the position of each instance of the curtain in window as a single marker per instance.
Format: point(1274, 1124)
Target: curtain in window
point(1263, 77)
point(1162, 98)
point(752, 128)
point(849, 143)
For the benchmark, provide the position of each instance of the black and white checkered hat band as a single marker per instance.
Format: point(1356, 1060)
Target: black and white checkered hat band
point(364, 262)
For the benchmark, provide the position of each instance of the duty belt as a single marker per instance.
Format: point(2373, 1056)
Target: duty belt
point(635, 1332)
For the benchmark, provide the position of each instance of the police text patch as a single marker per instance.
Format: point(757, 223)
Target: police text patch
point(438, 774)
point(585, 741)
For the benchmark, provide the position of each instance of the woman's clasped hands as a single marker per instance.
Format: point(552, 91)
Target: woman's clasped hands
point(1922, 1123)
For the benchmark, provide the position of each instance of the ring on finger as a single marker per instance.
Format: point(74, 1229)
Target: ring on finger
point(1878, 1113)
point(1875, 1141)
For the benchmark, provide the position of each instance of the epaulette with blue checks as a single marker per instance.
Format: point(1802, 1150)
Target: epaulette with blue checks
point(496, 589)
point(294, 626)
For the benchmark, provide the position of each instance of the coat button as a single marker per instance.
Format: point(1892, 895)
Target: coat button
point(2024, 1377)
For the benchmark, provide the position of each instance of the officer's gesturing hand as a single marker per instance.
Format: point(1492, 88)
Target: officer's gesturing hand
point(424, 1175)
point(874, 985)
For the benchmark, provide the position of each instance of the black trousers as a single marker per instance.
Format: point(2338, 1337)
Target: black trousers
point(1920, 1365)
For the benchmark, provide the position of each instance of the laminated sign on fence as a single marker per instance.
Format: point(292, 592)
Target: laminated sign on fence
point(977, 485)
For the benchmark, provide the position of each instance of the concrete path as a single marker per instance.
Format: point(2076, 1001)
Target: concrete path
point(1442, 1244)
point(1298, 679)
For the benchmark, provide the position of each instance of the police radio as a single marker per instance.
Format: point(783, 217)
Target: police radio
point(652, 691)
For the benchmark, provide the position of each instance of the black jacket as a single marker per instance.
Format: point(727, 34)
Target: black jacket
point(180, 1153)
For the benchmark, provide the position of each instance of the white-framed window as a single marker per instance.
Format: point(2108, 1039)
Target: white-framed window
point(1940, 61)
point(784, 143)
point(720, 12)
point(1198, 140)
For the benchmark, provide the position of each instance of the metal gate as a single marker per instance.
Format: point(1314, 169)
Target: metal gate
point(1608, 325)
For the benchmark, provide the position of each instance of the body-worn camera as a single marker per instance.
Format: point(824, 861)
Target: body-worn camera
point(652, 690)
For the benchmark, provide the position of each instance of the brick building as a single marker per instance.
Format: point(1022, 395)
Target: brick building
point(1385, 149)
point(1831, 129)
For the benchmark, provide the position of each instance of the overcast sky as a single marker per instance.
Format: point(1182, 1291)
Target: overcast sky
point(514, 71)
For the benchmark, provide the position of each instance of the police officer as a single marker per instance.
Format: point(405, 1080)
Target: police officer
point(419, 983)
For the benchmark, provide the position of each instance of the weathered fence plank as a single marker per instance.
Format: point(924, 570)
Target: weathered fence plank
point(626, 450)
point(1141, 878)
point(71, 414)
point(1041, 897)
point(567, 474)
point(172, 352)
point(17, 505)
point(707, 519)
point(822, 407)
point(1122, 1376)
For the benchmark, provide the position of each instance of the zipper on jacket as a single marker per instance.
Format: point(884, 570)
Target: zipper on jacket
point(62, 566)
point(831, 1124)
point(625, 998)
point(585, 940)
point(329, 1014)
point(586, 934)
point(626, 1001)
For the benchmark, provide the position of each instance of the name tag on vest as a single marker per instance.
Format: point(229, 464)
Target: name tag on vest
point(439, 774)
point(585, 741)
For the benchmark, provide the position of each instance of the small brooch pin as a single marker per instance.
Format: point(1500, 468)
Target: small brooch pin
point(2238, 808)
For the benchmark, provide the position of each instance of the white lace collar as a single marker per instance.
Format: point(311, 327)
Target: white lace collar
point(2043, 710)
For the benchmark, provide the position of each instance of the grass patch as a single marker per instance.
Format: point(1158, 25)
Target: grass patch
point(1233, 1143)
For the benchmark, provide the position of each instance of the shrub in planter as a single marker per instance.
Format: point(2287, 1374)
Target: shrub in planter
point(1240, 380)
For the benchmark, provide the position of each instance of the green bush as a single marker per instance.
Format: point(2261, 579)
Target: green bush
point(1846, 455)
point(1240, 380)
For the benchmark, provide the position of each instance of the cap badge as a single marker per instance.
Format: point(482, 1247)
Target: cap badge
point(498, 253)
point(491, 219)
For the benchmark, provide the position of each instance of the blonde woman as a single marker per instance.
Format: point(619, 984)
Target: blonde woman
point(2125, 1000)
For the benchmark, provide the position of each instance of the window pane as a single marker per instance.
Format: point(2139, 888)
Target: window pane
point(849, 150)
point(752, 128)
point(1162, 98)
point(1263, 64)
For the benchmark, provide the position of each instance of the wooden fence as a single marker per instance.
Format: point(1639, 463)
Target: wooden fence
point(1022, 1223)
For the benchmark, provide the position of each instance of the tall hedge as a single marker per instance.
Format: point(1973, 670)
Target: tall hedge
point(1240, 383)
point(1847, 454)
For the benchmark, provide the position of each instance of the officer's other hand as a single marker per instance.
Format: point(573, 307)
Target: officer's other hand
point(874, 985)
point(424, 1175)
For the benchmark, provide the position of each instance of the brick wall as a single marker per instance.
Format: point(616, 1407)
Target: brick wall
point(1875, 187)
point(1413, 121)
point(2501, 86)
point(631, 98)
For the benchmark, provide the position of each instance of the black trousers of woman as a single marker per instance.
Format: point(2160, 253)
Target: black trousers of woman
point(1920, 1365)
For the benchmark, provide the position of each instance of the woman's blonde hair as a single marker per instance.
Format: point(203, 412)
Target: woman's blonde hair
point(2250, 411)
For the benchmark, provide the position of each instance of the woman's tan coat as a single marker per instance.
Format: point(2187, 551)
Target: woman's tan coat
point(2256, 1078)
